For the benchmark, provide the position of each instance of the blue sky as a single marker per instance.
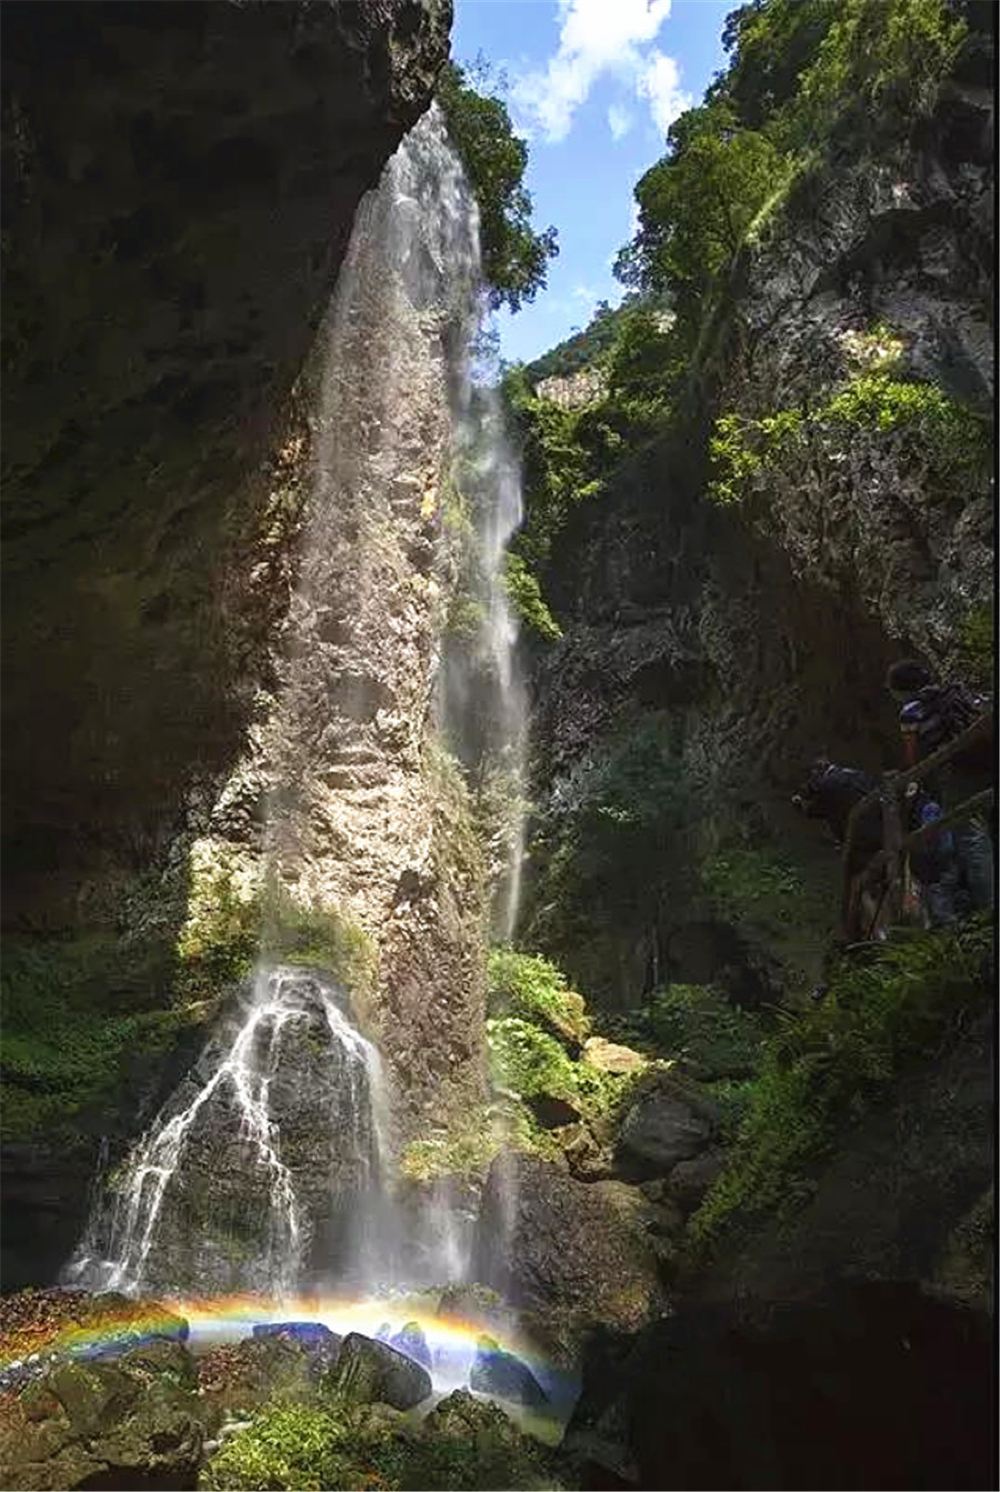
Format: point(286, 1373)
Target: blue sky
point(593, 84)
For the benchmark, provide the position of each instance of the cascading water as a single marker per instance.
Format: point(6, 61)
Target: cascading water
point(218, 1194)
point(267, 1168)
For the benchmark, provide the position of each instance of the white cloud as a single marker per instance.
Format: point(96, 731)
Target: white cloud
point(596, 36)
point(660, 83)
point(619, 121)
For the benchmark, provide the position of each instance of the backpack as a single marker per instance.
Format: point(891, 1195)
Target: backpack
point(939, 713)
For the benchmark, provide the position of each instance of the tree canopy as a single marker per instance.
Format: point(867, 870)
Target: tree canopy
point(495, 159)
point(802, 74)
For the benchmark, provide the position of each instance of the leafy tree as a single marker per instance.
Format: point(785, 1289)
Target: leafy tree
point(696, 204)
point(514, 255)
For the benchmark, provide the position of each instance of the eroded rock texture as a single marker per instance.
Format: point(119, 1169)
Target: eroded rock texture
point(180, 182)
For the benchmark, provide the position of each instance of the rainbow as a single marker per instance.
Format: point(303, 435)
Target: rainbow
point(206, 1322)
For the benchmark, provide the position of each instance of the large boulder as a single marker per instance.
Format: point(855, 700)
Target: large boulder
point(411, 1340)
point(371, 1372)
point(574, 1252)
point(239, 1378)
point(501, 1375)
point(671, 1121)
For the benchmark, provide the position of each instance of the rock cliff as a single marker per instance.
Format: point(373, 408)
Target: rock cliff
point(180, 186)
point(746, 627)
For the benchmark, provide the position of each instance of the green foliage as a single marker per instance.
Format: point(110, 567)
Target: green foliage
point(526, 985)
point(741, 881)
point(696, 203)
point(309, 1447)
point(695, 1024)
point(926, 424)
point(525, 596)
point(464, 1149)
point(645, 363)
point(825, 1066)
point(584, 349)
point(802, 75)
point(879, 65)
point(495, 160)
point(527, 1061)
point(295, 1446)
point(68, 1038)
point(743, 450)
point(557, 462)
point(616, 851)
point(319, 936)
point(234, 918)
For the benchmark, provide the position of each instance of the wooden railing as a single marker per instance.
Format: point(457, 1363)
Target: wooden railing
point(887, 865)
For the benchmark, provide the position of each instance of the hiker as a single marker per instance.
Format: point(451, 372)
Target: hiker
point(831, 791)
point(932, 714)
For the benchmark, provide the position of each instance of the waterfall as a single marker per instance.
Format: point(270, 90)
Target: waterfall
point(269, 1167)
point(270, 1152)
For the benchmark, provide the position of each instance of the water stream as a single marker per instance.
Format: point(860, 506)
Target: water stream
point(268, 1168)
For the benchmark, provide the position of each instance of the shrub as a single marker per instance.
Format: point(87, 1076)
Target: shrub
point(527, 985)
point(741, 881)
point(927, 425)
point(463, 1443)
point(525, 596)
point(527, 1060)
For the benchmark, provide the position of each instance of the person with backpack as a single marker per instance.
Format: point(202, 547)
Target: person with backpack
point(831, 791)
point(930, 715)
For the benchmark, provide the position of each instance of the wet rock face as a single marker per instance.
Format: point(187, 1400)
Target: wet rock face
point(180, 182)
point(272, 1146)
point(575, 1252)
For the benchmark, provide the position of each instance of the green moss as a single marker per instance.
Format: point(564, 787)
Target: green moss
point(826, 1065)
point(70, 1026)
point(463, 1149)
point(220, 939)
point(530, 986)
point(320, 937)
point(234, 918)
